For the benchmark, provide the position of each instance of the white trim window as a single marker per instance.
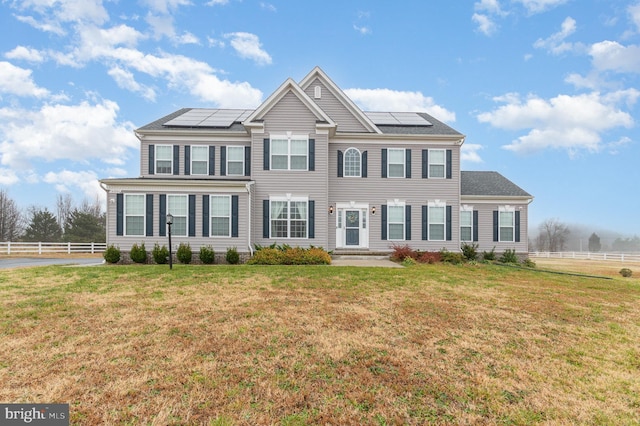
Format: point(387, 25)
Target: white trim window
point(177, 206)
point(220, 215)
point(437, 163)
point(199, 160)
point(289, 217)
point(466, 223)
point(437, 221)
point(289, 152)
point(235, 160)
point(395, 162)
point(164, 159)
point(134, 214)
point(352, 162)
point(506, 224)
point(396, 221)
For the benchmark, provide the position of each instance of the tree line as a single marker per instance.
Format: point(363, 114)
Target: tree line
point(82, 223)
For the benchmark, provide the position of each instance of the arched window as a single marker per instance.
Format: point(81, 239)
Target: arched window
point(352, 161)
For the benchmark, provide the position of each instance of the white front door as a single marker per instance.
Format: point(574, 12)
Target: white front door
point(352, 230)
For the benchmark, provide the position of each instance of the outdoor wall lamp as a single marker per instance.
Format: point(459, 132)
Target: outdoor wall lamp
point(169, 223)
point(373, 210)
point(330, 209)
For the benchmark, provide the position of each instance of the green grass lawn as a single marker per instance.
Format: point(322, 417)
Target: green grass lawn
point(247, 345)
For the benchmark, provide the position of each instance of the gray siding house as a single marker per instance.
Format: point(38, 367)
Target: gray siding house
point(308, 167)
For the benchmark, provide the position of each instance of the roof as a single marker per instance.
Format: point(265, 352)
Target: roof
point(489, 184)
point(436, 127)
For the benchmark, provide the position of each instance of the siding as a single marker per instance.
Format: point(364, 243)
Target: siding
point(485, 225)
point(335, 109)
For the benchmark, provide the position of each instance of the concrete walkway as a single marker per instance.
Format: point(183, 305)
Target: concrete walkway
point(366, 261)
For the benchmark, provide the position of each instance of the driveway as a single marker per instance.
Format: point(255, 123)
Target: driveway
point(28, 262)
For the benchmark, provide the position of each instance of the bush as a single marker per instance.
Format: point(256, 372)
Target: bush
point(184, 253)
point(509, 256)
point(112, 254)
point(451, 257)
point(470, 251)
point(430, 257)
point(160, 254)
point(232, 257)
point(489, 256)
point(138, 253)
point(529, 263)
point(286, 255)
point(400, 253)
point(207, 255)
point(626, 272)
point(409, 261)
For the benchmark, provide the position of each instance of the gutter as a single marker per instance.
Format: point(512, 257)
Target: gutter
point(248, 187)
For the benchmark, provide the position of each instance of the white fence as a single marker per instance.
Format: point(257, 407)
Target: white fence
point(619, 257)
point(15, 248)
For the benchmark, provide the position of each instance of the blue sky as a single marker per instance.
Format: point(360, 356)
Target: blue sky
point(546, 91)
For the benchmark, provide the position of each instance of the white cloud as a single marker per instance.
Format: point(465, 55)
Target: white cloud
point(217, 2)
point(25, 54)
point(362, 30)
point(398, 101)
point(634, 12)
point(61, 11)
point(556, 43)
point(469, 153)
point(166, 6)
point(612, 56)
point(248, 46)
point(86, 181)
point(18, 81)
point(490, 6)
point(539, 6)
point(8, 176)
point(268, 6)
point(572, 123)
point(126, 80)
point(47, 26)
point(485, 24)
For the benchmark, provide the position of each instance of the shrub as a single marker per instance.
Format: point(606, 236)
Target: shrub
point(509, 256)
point(451, 257)
point(430, 257)
point(402, 252)
point(138, 253)
point(470, 251)
point(267, 256)
point(626, 272)
point(529, 263)
point(112, 254)
point(409, 261)
point(160, 254)
point(207, 255)
point(489, 256)
point(286, 255)
point(184, 253)
point(232, 257)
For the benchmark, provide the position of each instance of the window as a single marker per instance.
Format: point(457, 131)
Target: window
point(134, 214)
point(466, 225)
point(164, 159)
point(177, 206)
point(437, 163)
point(395, 221)
point(220, 215)
point(506, 225)
point(395, 163)
point(352, 161)
point(199, 160)
point(289, 218)
point(289, 153)
point(235, 160)
point(437, 222)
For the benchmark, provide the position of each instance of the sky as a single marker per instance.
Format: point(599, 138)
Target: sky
point(546, 91)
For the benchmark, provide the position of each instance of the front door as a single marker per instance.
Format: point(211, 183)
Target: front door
point(351, 225)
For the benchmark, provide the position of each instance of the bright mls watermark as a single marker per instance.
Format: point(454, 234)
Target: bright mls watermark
point(34, 414)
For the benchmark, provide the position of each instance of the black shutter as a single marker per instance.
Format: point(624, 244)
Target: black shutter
point(234, 216)
point(162, 218)
point(363, 173)
point(517, 230)
point(212, 160)
point(383, 231)
point(407, 223)
point(205, 216)
point(425, 164)
point(247, 161)
point(119, 214)
point(312, 219)
point(475, 225)
point(192, 215)
point(384, 163)
point(448, 223)
point(425, 223)
point(265, 154)
point(495, 225)
point(340, 164)
point(176, 159)
point(449, 171)
point(265, 218)
point(407, 163)
point(312, 155)
point(149, 214)
point(187, 160)
point(223, 161)
point(152, 159)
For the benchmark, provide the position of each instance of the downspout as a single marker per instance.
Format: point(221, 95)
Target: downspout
point(106, 206)
point(248, 187)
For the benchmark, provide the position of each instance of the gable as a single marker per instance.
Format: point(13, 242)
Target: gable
point(290, 114)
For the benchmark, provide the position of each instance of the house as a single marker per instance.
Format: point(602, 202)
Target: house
point(308, 167)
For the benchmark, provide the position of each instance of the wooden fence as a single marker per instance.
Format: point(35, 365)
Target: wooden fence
point(618, 257)
point(17, 248)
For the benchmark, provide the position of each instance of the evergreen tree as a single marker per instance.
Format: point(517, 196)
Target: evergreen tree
point(43, 227)
point(594, 243)
point(84, 227)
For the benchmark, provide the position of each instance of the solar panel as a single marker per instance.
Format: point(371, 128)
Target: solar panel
point(209, 117)
point(398, 119)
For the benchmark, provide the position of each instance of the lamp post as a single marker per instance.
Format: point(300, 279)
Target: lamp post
point(169, 223)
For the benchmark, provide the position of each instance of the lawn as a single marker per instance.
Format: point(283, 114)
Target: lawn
point(250, 345)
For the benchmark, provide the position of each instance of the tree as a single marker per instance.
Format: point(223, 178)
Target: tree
point(64, 207)
point(10, 218)
point(43, 227)
point(84, 227)
point(553, 235)
point(594, 243)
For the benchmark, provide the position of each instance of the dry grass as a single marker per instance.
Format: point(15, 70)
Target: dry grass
point(223, 345)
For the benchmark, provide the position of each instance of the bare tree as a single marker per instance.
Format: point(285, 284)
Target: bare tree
point(64, 207)
point(553, 235)
point(10, 218)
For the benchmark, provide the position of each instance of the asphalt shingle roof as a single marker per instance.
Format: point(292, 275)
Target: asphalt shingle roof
point(489, 184)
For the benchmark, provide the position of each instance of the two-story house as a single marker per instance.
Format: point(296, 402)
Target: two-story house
point(308, 167)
